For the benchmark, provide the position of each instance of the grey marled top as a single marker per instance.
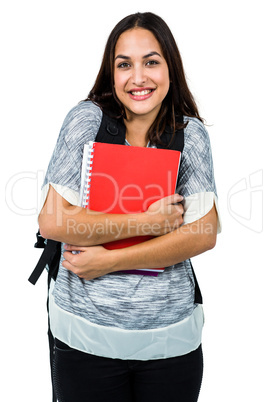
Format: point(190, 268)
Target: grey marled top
point(119, 300)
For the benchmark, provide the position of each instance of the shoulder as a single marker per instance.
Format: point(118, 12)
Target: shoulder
point(196, 169)
point(82, 122)
point(195, 128)
point(85, 111)
point(195, 134)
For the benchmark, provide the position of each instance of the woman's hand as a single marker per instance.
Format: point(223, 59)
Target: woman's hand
point(166, 214)
point(162, 251)
point(87, 262)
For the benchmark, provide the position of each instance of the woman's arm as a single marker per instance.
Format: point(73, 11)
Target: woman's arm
point(61, 221)
point(183, 243)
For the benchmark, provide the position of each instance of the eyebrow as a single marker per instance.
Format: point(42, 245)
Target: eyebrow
point(121, 56)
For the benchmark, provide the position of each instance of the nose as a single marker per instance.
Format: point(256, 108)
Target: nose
point(138, 75)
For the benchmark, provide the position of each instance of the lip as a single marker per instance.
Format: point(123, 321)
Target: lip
point(142, 96)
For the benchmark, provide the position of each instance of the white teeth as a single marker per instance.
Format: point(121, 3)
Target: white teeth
point(140, 93)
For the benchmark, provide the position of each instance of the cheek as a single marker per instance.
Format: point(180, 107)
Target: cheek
point(161, 77)
point(119, 82)
point(164, 82)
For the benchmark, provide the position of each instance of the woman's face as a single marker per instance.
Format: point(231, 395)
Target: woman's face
point(141, 76)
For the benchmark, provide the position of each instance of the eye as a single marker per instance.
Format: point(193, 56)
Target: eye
point(123, 65)
point(152, 63)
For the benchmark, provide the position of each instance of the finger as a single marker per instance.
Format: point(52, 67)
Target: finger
point(179, 208)
point(178, 197)
point(76, 270)
point(173, 198)
point(66, 264)
point(68, 256)
point(70, 247)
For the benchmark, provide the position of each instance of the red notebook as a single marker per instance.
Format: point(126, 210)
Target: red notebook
point(124, 179)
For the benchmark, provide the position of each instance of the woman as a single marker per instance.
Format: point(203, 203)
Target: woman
point(130, 337)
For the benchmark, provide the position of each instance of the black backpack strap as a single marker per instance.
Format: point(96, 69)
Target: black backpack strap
point(171, 140)
point(50, 257)
point(111, 131)
point(198, 299)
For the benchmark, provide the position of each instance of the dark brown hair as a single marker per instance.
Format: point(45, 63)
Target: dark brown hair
point(178, 101)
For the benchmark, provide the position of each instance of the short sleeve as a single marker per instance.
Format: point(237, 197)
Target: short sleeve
point(64, 170)
point(196, 174)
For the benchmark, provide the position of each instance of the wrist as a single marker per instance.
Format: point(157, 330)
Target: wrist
point(116, 262)
point(148, 225)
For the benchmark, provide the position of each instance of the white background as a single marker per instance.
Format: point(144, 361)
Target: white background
point(51, 52)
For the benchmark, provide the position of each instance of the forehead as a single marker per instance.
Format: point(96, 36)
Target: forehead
point(137, 41)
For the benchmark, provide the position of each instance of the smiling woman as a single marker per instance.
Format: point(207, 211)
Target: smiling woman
point(117, 335)
point(141, 81)
point(156, 33)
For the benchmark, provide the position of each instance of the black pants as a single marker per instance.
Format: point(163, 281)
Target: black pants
point(81, 377)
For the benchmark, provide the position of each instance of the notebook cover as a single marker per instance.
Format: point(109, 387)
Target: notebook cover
point(127, 179)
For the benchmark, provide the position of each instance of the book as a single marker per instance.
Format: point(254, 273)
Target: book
point(120, 179)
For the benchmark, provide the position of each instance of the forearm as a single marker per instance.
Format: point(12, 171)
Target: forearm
point(64, 222)
point(172, 248)
point(75, 225)
point(169, 249)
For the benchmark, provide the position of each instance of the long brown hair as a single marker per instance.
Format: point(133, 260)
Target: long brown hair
point(178, 101)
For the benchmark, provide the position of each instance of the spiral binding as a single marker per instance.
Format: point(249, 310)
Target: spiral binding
point(88, 173)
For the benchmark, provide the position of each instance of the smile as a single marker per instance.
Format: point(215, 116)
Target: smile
point(141, 93)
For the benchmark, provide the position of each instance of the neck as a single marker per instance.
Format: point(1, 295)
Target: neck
point(136, 131)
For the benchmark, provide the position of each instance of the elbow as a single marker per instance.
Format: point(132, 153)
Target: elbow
point(42, 226)
point(65, 232)
point(210, 229)
point(44, 232)
point(47, 227)
point(211, 241)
